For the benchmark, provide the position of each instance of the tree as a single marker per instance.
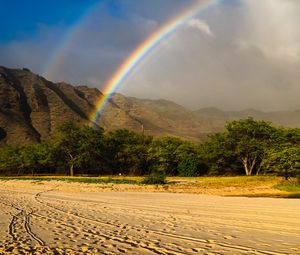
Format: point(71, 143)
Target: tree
point(250, 140)
point(290, 135)
point(35, 157)
point(76, 145)
point(191, 167)
point(244, 143)
point(163, 153)
point(93, 148)
point(10, 160)
point(189, 161)
point(218, 155)
point(127, 152)
point(284, 161)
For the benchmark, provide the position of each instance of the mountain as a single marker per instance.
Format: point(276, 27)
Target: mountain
point(32, 107)
point(218, 118)
point(163, 117)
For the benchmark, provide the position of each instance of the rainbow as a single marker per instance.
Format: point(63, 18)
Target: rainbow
point(135, 58)
point(143, 50)
point(57, 56)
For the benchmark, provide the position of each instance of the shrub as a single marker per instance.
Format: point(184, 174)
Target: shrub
point(154, 178)
point(191, 167)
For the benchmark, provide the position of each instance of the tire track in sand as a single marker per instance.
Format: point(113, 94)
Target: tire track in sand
point(38, 198)
point(21, 220)
point(144, 245)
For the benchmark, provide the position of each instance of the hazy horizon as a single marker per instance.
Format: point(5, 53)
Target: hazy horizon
point(235, 55)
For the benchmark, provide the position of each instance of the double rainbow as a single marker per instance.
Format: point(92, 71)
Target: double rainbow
point(139, 54)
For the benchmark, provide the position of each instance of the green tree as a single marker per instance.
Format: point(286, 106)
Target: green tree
point(10, 160)
point(284, 161)
point(219, 156)
point(249, 140)
point(189, 161)
point(244, 143)
point(164, 155)
point(290, 135)
point(127, 152)
point(77, 146)
point(192, 166)
point(35, 158)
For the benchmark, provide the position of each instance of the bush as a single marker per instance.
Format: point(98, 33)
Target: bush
point(191, 167)
point(155, 178)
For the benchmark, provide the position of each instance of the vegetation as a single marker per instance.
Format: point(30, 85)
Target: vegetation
point(246, 147)
point(253, 147)
point(155, 178)
point(94, 180)
point(291, 186)
point(252, 186)
point(288, 187)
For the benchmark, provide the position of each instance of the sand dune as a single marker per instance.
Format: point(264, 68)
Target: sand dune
point(46, 219)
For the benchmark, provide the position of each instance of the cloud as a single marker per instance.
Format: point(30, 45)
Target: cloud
point(200, 25)
point(253, 62)
point(33, 51)
point(275, 27)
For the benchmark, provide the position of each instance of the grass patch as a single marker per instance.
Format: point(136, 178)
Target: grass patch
point(152, 179)
point(295, 188)
point(220, 182)
point(291, 186)
point(252, 186)
point(205, 182)
point(93, 180)
point(159, 179)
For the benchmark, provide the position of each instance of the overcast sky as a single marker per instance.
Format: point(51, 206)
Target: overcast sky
point(237, 54)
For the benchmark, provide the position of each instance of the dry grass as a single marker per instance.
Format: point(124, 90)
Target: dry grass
point(235, 181)
point(252, 186)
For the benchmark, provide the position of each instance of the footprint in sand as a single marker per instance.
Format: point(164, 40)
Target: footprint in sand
point(229, 237)
point(109, 246)
point(197, 249)
point(122, 250)
point(210, 246)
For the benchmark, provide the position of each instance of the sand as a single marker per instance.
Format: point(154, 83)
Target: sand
point(71, 218)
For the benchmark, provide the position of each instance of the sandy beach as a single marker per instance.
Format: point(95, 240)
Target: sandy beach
point(61, 218)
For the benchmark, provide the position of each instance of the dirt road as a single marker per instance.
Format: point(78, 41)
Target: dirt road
point(46, 220)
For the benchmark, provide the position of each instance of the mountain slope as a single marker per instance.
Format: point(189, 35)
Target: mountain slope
point(32, 107)
point(168, 118)
point(218, 118)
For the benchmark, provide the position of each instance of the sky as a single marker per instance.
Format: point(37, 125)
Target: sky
point(234, 55)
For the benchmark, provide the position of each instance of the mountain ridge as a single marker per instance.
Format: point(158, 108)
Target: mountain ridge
point(279, 118)
point(31, 108)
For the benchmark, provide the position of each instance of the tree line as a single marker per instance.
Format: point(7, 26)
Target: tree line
point(245, 147)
